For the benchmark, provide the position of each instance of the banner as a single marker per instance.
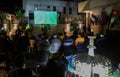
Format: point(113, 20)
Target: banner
point(93, 19)
point(103, 18)
point(115, 15)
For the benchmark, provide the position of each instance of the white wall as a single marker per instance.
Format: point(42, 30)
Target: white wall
point(29, 5)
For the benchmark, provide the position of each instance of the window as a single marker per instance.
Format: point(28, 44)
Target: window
point(70, 10)
point(31, 16)
point(54, 8)
point(64, 10)
point(48, 7)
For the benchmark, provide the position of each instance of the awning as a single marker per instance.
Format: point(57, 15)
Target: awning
point(81, 6)
point(92, 4)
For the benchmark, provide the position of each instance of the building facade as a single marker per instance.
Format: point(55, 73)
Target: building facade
point(66, 9)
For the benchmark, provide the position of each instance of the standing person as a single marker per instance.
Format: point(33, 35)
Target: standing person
point(79, 43)
point(56, 66)
point(42, 55)
point(55, 44)
point(84, 29)
point(25, 43)
point(5, 48)
point(21, 70)
point(20, 43)
point(68, 46)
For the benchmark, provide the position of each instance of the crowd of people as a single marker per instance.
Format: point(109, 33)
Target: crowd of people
point(49, 52)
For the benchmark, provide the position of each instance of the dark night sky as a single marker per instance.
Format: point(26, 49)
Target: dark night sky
point(10, 5)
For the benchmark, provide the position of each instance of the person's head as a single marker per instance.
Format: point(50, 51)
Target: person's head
point(79, 35)
point(101, 35)
point(20, 27)
point(55, 36)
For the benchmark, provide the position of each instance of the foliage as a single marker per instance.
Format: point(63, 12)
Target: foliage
point(19, 13)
